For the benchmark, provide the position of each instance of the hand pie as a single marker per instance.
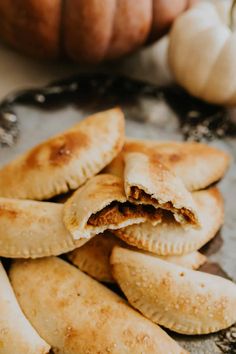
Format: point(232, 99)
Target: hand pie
point(193, 260)
point(172, 238)
point(31, 229)
point(183, 300)
point(148, 181)
point(198, 165)
point(93, 258)
point(101, 204)
point(76, 314)
point(16, 333)
point(66, 160)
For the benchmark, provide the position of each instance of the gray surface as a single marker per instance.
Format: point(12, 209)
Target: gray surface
point(160, 124)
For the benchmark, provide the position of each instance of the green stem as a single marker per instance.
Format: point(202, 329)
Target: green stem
point(231, 15)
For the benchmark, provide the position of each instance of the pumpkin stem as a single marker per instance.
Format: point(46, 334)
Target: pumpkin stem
point(231, 15)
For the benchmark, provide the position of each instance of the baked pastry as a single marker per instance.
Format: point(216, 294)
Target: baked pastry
point(193, 260)
point(101, 204)
point(198, 165)
point(185, 301)
point(76, 314)
point(93, 257)
point(172, 238)
point(32, 229)
point(148, 181)
point(16, 333)
point(66, 160)
point(148, 205)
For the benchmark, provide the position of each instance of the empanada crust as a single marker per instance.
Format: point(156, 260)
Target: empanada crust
point(76, 314)
point(148, 180)
point(33, 229)
point(183, 300)
point(170, 237)
point(94, 197)
point(198, 165)
point(16, 333)
point(66, 160)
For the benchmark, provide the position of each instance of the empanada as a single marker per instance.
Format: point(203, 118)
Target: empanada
point(193, 260)
point(172, 238)
point(148, 181)
point(93, 258)
point(17, 336)
point(76, 314)
point(66, 160)
point(32, 229)
point(183, 300)
point(198, 165)
point(101, 204)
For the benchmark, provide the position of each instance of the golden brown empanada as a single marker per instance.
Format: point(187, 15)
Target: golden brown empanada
point(16, 333)
point(93, 258)
point(76, 314)
point(172, 238)
point(101, 204)
point(198, 165)
point(31, 229)
point(183, 300)
point(66, 160)
point(148, 181)
point(193, 260)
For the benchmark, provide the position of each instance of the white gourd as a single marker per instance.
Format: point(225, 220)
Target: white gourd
point(202, 54)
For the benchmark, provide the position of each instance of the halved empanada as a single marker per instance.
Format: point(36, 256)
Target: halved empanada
point(101, 204)
point(76, 314)
point(16, 333)
point(93, 258)
point(66, 160)
point(31, 229)
point(148, 181)
point(198, 165)
point(183, 300)
point(172, 238)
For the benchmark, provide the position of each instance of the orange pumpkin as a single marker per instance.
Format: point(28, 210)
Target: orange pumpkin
point(85, 30)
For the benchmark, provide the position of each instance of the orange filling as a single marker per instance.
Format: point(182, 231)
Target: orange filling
point(141, 196)
point(116, 213)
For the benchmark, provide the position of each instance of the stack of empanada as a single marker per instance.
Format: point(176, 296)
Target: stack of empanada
point(136, 213)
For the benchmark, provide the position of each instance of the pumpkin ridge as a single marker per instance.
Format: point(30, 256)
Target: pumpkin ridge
point(111, 31)
point(212, 68)
point(232, 98)
point(204, 85)
point(185, 75)
point(137, 20)
point(88, 31)
point(180, 70)
point(202, 62)
point(61, 29)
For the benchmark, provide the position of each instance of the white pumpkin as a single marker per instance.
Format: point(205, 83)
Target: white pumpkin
point(202, 54)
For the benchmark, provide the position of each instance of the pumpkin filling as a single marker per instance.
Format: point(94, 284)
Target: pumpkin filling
point(116, 213)
point(141, 196)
